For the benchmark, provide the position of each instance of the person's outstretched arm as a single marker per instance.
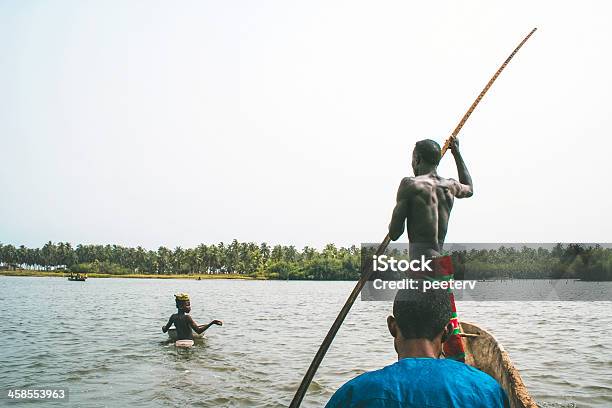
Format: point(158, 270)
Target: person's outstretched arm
point(464, 188)
point(201, 329)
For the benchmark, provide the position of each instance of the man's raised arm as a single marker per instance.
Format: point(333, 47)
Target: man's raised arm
point(464, 188)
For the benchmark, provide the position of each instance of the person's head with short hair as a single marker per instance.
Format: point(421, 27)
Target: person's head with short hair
point(420, 321)
point(425, 156)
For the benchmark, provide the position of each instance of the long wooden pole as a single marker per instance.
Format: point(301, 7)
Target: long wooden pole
point(367, 270)
point(483, 92)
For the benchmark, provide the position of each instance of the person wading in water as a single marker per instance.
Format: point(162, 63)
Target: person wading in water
point(183, 322)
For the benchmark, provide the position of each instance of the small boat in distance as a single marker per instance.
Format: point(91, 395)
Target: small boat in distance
point(486, 354)
point(77, 277)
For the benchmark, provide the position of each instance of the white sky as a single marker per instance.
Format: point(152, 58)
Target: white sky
point(174, 123)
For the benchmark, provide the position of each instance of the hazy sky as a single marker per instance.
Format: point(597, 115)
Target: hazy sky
point(174, 123)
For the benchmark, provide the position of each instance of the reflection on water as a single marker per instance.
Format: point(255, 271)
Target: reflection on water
point(102, 339)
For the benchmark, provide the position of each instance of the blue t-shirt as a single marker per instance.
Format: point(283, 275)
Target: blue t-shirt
point(421, 382)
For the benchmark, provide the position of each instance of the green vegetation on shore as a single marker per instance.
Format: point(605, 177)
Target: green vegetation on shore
point(563, 261)
point(253, 261)
point(234, 260)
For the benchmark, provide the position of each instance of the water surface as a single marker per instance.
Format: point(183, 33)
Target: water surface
point(102, 339)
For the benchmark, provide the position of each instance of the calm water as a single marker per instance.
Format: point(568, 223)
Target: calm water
point(102, 339)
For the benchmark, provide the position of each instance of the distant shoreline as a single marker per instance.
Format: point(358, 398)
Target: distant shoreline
point(250, 260)
point(233, 276)
point(53, 274)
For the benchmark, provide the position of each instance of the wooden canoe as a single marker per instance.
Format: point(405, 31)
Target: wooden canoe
point(486, 354)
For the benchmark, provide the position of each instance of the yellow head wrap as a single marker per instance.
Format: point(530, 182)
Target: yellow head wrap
point(182, 296)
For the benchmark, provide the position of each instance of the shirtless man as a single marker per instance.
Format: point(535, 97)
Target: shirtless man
point(424, 202)
point(183, 322)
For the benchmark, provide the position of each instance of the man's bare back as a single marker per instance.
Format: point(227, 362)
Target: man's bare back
point(424, 202)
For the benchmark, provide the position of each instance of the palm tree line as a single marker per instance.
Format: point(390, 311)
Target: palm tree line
point(286, 262)
point(244, 258)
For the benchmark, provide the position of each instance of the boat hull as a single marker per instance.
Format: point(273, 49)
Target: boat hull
point(486, 354)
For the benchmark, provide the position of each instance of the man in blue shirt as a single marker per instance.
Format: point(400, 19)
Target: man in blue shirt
point(419, 326)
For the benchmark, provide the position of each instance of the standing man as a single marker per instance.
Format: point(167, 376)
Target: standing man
point(424, 204)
